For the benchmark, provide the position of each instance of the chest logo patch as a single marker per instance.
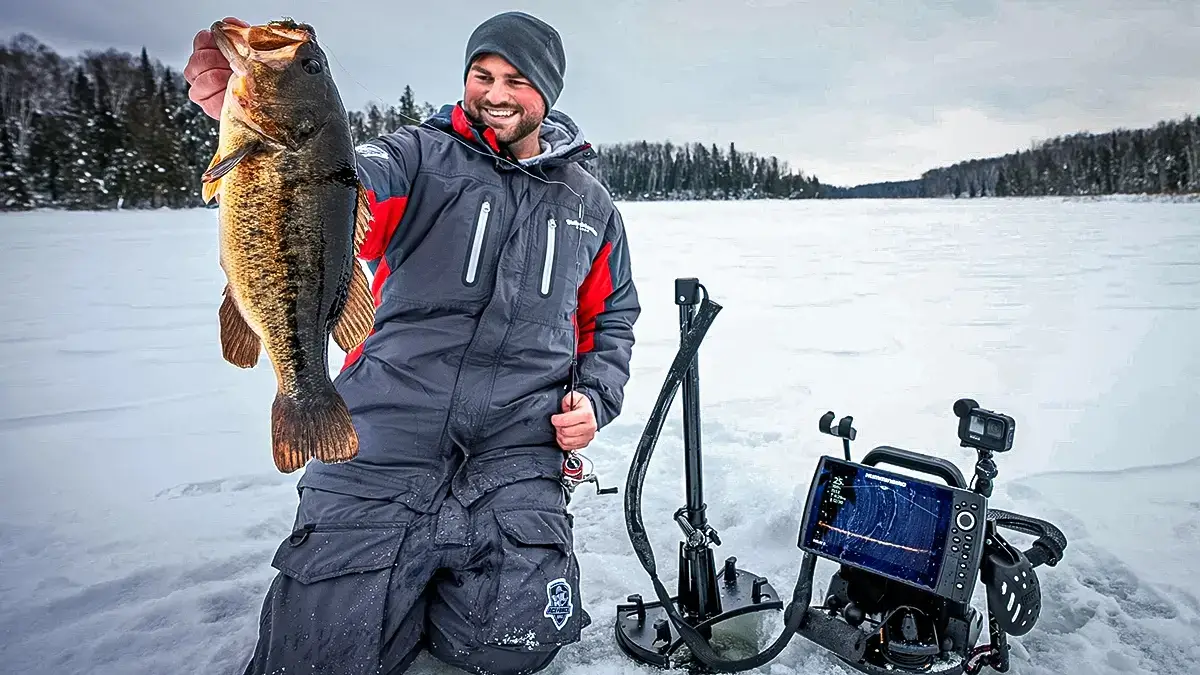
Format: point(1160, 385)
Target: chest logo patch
point(369, 150)
point(582, 227)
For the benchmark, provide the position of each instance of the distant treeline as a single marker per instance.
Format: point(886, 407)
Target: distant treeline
point(643, 171)
point(101, 131)
point(1164, 159)
point(108, 130)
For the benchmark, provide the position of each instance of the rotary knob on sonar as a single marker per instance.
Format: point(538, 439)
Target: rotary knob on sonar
point(965, 521)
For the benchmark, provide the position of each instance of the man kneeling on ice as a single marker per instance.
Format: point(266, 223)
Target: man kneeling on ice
point(503, 333)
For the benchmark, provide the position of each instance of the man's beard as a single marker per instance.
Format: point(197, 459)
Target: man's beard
point(526, 124)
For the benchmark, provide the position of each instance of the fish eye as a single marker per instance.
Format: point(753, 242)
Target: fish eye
point(311, 66)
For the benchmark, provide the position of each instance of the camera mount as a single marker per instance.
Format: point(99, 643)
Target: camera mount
point(987, 432)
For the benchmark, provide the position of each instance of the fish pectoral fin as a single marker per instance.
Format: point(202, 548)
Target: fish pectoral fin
point(210, 190)
point(358, 313)
point(362, 219)
point(239, 343)
point(219, 166)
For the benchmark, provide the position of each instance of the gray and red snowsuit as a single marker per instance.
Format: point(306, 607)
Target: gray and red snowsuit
point(450, 529)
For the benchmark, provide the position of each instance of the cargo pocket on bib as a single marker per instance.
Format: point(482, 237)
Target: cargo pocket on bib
point(318, 552)
point(536, 606)
point(329, 609)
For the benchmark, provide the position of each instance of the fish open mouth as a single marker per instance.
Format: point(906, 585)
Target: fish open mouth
point(233, 41)
point(254, 95)
point(273, 44)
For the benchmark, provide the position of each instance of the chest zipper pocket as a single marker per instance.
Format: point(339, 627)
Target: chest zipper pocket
point(481, 223)
point(548, 263)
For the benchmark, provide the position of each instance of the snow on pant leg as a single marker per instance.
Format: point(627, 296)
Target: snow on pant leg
point(514, 603)
point(347, 599)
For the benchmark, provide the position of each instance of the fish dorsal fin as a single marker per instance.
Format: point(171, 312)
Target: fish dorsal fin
point(362, 219)
point(358, 313)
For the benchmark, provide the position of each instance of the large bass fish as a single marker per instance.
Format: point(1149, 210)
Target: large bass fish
point(292, 216)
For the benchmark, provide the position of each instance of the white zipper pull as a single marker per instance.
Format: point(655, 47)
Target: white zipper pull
point(477, 242)
point(548, 263)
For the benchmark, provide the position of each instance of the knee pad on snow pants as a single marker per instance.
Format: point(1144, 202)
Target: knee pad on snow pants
point(364, 584)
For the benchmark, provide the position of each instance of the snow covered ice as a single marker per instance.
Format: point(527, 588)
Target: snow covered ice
point(139, 507)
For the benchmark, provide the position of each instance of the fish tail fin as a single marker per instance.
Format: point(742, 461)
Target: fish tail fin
point(317, 425)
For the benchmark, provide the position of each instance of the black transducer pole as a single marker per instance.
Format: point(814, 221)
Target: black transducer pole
point(691, 428)
point(653, 632)
point(699, 597)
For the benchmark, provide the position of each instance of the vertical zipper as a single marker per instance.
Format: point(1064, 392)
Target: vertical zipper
point(548, 263)
point(477, 243)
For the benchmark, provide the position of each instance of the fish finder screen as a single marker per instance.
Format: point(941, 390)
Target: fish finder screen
point(884, 522)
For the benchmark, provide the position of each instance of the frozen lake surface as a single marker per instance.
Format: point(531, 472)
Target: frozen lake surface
point(139, 507)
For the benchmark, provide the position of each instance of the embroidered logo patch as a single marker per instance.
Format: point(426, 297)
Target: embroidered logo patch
point(368, 150)
point(558, 602)
point(583, 227)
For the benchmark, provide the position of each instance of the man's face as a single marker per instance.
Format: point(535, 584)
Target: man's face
point(497, 95)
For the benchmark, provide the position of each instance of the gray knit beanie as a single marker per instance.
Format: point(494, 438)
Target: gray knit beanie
point(529, 44)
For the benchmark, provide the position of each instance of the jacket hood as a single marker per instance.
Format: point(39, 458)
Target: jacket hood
point(561, 138)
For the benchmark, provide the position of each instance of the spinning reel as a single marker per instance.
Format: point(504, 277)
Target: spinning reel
point(910, 551)
point(574, 475)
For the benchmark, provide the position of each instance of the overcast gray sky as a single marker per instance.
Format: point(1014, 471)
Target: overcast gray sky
point(852, 90)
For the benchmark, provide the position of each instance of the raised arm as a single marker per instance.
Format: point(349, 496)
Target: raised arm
point(386, 166)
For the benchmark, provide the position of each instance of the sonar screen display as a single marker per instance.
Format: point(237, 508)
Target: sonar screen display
point(884, 522)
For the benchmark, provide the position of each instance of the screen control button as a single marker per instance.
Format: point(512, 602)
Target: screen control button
point(965, 520)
